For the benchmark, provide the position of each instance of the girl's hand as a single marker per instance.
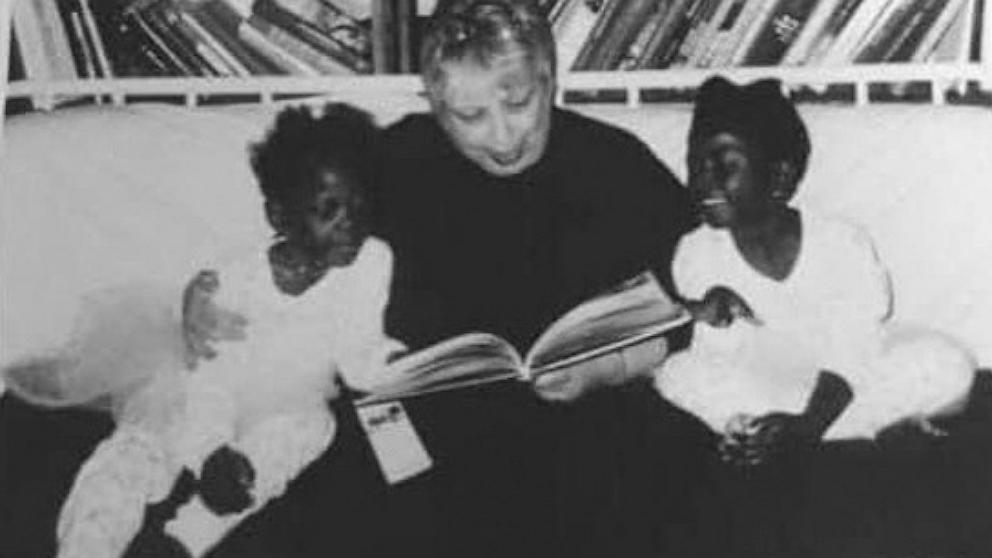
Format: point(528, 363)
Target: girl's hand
point(204, 322)
point(721, 306)
point(752, 441)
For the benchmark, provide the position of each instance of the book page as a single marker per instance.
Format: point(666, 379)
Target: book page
point(634, 311)
point(466, 360)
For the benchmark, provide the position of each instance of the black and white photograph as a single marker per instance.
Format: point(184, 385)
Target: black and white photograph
point(495, 278)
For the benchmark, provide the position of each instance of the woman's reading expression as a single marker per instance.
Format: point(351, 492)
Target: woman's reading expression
point(498, 114)
point(727, 183)
point(334, 223)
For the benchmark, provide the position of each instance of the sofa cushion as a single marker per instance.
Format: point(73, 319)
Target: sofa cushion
point(97, 196)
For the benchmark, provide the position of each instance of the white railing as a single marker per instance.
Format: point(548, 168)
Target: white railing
point(265, 89)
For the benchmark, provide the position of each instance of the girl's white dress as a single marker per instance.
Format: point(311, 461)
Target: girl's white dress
point(830, 313)
point(266, 396)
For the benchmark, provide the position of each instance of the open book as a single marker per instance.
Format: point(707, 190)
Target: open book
point(636, 311)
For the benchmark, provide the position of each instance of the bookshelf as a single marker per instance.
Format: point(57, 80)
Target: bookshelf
point(596, 57)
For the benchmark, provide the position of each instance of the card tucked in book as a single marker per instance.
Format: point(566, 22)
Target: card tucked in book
point(635, 312)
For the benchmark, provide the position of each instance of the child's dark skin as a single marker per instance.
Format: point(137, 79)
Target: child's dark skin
point(736, 188)
point(314, 236)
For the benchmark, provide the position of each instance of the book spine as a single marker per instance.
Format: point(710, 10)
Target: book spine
point(227, 60)
point(835, 25)
point(316, 39)
point(625, 27)
point(658, 42)
point(337, 24)
point(87, 68)
point(855, 31)
point(222, 21)
point(298, 48)
point(179, 65)
point(94, 32)
point(704, 31)
point(779, 32)
point(920, 26)
point(66, 9)
point(725, 51)
point(638, 47)
point(721, 37)
point(691, 42)
point(716, 33)
point(887, 30)
point(940, 29)
point(276, 54)
point(589, 52)
point(796, 54)
point(174, 25)
point(572, 29)
point(750, 32)
point(177, 43)
point(682, 27)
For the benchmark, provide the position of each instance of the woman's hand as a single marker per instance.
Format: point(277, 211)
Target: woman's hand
point(611, 369)
point(204, 322)
point(720, 307)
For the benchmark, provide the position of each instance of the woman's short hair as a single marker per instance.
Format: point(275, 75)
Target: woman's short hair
point(481, 30)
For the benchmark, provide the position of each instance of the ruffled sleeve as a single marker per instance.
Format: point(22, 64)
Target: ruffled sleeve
point(365, 347)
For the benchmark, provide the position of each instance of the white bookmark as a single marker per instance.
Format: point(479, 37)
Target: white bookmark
point(398, 448)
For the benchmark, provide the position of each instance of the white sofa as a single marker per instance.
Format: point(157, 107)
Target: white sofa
point(100, 195)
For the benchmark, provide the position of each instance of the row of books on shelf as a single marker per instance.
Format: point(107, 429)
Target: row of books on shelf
point(70, 39)
point(655, 34)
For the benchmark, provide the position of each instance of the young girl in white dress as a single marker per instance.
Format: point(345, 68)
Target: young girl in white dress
point(792, 341)
point(291, 319)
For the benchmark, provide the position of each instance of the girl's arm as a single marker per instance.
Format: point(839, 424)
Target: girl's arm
point(831, 395)
point(779, 433)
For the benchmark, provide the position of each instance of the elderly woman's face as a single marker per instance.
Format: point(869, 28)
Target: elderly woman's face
point(498, 115)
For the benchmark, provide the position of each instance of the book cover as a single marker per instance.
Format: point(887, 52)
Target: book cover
point(622, 321)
